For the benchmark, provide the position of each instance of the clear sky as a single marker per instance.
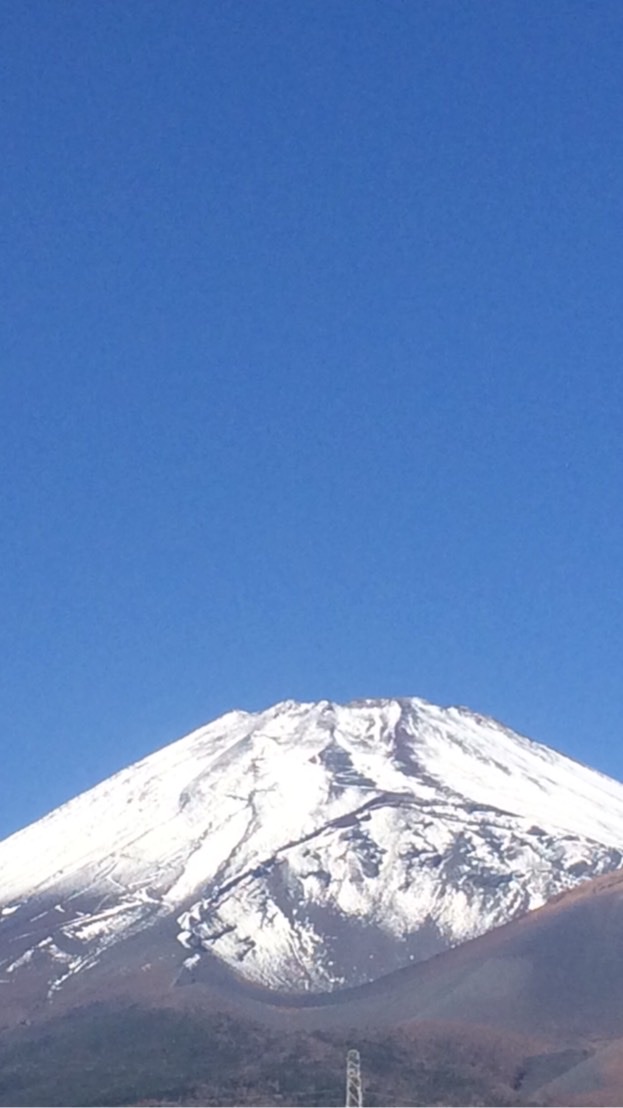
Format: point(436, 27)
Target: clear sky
point(311, 369)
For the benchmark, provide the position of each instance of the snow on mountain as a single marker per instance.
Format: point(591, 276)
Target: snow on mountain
point(310, 846)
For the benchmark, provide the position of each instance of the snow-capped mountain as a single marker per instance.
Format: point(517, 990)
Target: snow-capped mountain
point(308, 847)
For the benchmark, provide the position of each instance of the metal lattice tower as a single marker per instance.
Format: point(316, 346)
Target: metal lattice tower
point(354, 1097)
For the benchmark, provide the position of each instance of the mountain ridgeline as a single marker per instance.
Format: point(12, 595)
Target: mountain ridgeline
point(310, 847)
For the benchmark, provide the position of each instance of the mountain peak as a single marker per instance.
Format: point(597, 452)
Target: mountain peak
point(313, 845)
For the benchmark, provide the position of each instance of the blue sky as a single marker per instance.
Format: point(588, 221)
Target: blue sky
point(311, 370)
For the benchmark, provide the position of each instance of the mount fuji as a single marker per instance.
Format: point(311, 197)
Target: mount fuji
point(308, 848)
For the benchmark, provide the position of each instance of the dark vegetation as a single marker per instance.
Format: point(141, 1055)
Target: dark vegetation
point(138, 1056)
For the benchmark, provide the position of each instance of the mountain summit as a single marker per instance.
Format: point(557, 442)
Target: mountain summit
point(309, 847)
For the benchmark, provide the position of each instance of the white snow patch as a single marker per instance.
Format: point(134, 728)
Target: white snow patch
point(9, 909)
point(21, 961)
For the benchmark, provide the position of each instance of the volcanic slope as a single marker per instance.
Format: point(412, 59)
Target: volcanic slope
point(528, 1014)
point(310, 847)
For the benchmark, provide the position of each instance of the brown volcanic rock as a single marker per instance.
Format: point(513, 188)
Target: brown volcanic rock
point(530, 1013)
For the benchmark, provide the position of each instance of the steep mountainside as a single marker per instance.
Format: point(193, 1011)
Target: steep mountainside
point(309, 847)
point(528, 1014)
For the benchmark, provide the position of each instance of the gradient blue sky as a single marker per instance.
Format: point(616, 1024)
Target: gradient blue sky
point(311, 386)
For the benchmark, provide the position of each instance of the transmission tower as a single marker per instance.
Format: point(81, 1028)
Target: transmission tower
point(354, 1097)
